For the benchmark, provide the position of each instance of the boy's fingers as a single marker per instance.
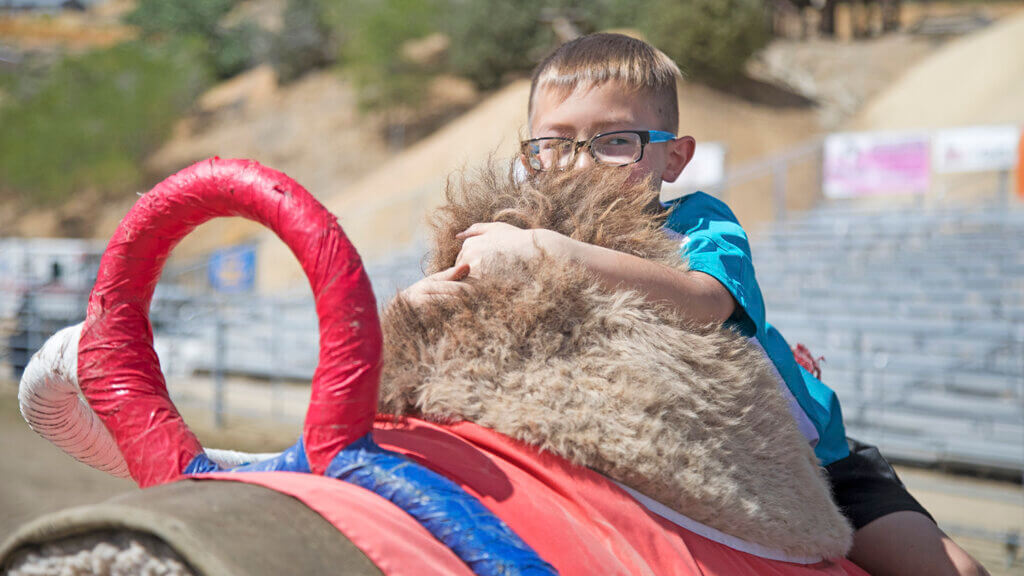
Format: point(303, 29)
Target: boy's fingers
point(474, 230)
point(459, 272)
point(484, 227)
point(467, 232)
point(463, 261)
point(423, 292)
point(448, 288)
point(441, 291)
point(455, 273)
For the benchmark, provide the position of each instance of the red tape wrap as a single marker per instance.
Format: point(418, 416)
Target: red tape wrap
point(118, 369)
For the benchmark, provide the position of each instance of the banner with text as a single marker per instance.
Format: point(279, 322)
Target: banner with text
point(975, 149)
point(876, 163)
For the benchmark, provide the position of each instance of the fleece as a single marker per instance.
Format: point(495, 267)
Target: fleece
point(543, 352)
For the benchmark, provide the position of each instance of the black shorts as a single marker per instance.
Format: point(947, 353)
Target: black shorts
point(866, 487)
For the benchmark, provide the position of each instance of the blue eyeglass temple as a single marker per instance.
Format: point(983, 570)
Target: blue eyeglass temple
point(659, 136)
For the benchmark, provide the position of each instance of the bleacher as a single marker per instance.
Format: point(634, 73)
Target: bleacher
point(919, 314)
point(254, 335)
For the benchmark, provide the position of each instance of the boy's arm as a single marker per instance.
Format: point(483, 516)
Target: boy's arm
point(697, 296)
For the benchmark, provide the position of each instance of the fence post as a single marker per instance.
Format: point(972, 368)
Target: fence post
point(276, 398)
point(218, 365)
point(1018, 339)
point(779, 189)
point(858, 379)
point(33, 326)
point(1004, 187)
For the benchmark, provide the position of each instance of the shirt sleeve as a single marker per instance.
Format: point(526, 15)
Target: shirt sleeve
point(713, 242)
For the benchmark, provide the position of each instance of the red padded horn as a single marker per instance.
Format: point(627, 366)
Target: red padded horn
point(117, 368)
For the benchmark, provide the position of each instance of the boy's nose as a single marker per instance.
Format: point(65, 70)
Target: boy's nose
point(584, 159)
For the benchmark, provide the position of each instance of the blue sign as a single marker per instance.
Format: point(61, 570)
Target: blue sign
point(233, 270)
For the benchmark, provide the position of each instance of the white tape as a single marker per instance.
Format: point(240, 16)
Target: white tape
point(231, 458)
point(51, 402)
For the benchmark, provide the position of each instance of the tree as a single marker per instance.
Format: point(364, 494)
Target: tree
point(304, 42)
point(227, 50)
point(492, 39)
point(709, 39)
point(372, 34)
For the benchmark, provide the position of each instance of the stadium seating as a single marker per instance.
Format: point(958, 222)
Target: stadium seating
point(919, 314)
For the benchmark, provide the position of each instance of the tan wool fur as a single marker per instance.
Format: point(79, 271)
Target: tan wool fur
point(541, 352)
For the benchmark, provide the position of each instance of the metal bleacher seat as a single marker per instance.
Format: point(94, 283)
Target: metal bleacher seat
point(919, 314)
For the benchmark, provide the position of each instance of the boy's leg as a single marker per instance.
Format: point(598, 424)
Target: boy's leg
point(894, 535)
point(910, 543)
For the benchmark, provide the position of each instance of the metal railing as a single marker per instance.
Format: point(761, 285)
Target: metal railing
point(208, 344)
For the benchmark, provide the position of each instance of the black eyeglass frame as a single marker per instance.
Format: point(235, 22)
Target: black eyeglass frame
point(646, 137)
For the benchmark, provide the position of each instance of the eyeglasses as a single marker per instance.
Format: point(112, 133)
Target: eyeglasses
point(619, 148)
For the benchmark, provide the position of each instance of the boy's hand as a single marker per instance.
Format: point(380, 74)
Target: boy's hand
point(483, 241)
point(441, 285)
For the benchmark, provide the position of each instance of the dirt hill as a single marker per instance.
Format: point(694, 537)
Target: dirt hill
point(310, 130)
point(67, 30)
point(313, 131)
point(384, 211)
point(977, 79)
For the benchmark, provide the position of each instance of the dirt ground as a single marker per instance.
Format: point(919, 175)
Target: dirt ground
point(38, 479)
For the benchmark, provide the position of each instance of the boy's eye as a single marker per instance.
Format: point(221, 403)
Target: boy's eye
point(627, 139)
point(618, 149)
point(549, 153)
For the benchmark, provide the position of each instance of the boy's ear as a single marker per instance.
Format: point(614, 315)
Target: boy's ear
point(680, 151)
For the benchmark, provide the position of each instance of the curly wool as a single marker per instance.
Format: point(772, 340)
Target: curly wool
point(541, 352)
point(103, 553)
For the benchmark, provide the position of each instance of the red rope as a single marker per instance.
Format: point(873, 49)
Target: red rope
point(118, 369)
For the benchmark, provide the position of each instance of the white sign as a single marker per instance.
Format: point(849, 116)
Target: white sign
point(705, 171)
point(975, 149)
point(876, 163)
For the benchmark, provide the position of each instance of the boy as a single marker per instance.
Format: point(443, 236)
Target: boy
point(611, 99)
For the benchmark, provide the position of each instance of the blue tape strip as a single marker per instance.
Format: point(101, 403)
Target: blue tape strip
point(201, 465)
point(291, 460)
point(478, 537)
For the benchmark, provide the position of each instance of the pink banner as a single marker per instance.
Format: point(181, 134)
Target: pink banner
point(871, 164)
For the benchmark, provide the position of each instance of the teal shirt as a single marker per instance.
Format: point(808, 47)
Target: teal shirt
point(716, 245)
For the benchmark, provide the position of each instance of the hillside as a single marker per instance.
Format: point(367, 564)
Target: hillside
point(67, 30)
point(384, 209)
point(313, 130)
point(975, 79)
point(384, 212)
point(310, 130)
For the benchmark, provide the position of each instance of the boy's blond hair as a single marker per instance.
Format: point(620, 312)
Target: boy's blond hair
point(600, 58)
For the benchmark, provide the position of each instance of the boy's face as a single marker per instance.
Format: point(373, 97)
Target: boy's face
point(605, 108)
